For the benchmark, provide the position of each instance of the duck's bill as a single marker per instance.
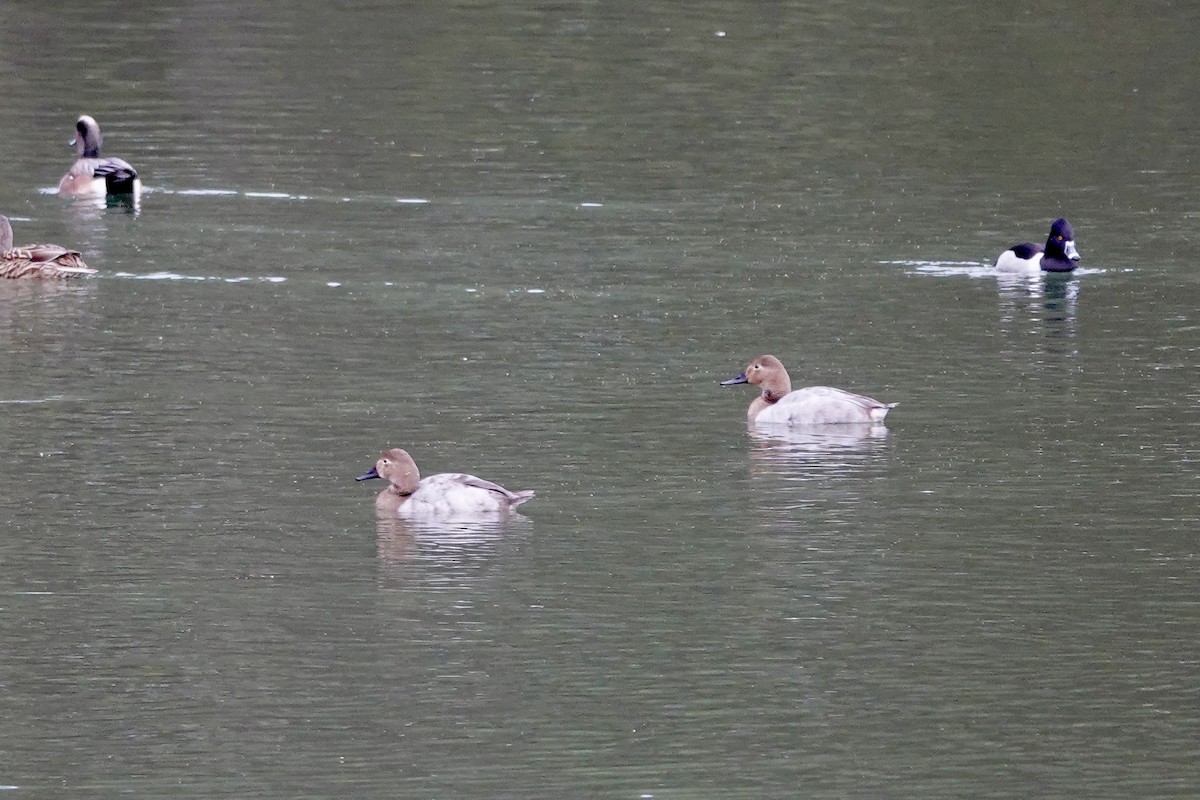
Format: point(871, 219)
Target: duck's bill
point(734, 381)
point(72, 142)
point(1070, 250)
point(366, 476)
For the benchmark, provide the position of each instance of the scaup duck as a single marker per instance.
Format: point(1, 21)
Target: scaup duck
point(1059, 254)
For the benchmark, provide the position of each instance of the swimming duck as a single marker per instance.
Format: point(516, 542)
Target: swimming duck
point(447, 495)
point(93, 174)
point(1059, 254)
point(813, 405)
point(38, 260)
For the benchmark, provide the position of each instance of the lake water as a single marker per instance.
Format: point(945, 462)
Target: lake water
point(527, 241)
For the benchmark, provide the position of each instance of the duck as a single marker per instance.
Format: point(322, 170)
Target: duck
point(448, 495)
point(1059, 254)
point(94, 175)
point(812, 405)
point(38, 260)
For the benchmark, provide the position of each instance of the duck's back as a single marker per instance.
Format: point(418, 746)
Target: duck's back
point(456, 494)
point(43, 261)
point(824, 405)
point(108, 175)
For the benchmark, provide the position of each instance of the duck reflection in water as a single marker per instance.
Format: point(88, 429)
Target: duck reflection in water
point(95, 208)
point(804, 467)
point(446, 544)
point(816, 452)
point(1046, 305)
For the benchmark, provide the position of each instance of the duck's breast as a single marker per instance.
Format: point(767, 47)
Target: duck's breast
point(81, 182)
point(823, 405)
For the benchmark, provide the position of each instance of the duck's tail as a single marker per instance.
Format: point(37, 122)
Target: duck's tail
point(516, 498)
point(879, 412)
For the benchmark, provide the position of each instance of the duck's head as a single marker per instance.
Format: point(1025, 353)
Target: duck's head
point(767, 372)
point(396, 467)
point(87, 139)
point(1061, 244)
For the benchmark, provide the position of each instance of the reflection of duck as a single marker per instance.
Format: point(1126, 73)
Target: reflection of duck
point(450, 543)
point(93, 174)
point(449, 495)
point(813, 405)
point(394, 542)
point(807, 468)
point(1045, 304)
point(1059, 254)
point(824, 450)
point(818, 440)
point(38, 260)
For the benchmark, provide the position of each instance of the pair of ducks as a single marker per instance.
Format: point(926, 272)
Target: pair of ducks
point(92, 175)
point(453, 495)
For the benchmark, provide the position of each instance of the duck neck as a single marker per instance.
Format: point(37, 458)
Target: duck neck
point(407, 481)
point(770, 396)
point(775, 391)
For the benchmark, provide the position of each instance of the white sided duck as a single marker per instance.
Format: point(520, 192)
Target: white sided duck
point(448, 495)
point(812, 405)
point(1059, 254)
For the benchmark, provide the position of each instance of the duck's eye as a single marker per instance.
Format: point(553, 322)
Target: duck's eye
point(1058, 238)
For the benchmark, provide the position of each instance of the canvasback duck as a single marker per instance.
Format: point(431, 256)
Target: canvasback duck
point(92, 174)
point(1059, 254)
point(38, 260)
point(813, 405)
point(446, 495)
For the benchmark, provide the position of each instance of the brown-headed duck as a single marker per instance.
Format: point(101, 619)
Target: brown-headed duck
point(449, 495)
point(813, 405)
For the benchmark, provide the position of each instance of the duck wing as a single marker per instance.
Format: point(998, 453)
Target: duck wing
point(114, 170)
point(479, 483)
point(43, 261)
point(821, 405)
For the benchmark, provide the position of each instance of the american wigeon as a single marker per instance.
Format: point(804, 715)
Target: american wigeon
point(38, 260)
point(813, 405)
point(93, 174)
point(1059, 254)
point(444, 496)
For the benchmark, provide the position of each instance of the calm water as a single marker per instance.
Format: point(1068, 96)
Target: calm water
point(528, 240)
